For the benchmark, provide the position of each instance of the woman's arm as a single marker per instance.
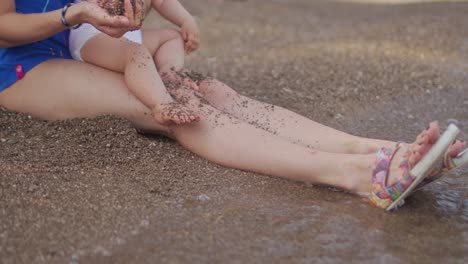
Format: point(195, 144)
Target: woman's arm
point(17, 29)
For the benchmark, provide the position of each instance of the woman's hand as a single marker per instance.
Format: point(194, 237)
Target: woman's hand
point(94, 12)
point(139, 11)
point(190, 35)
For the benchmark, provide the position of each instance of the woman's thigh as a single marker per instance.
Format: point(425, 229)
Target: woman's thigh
point(62, 89)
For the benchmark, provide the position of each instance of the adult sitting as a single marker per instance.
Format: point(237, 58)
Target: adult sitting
point(39, 77)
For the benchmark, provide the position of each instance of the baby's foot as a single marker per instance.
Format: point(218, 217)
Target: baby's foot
point(174, 113)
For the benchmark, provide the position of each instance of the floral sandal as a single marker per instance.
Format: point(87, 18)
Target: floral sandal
point(390, 197)
point(444, 167)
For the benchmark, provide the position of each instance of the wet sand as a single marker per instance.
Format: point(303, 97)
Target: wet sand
point(94, 191)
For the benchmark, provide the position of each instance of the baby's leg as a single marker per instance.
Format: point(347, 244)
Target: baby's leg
point(141, 76)
point(167, 48)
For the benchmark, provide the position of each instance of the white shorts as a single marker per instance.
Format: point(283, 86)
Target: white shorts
point(81, 35)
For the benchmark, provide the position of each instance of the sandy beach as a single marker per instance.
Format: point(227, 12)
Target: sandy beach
point(95, 191)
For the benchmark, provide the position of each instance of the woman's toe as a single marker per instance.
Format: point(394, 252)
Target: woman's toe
point(177, 120)
point(433, 133)
point(415, 158)
point(456, 148)
point(422, 138)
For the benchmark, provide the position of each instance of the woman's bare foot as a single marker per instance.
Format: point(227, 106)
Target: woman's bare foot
point(408, 156)
point(457, 147)
point(427, 138)
point(390, 178)
point(174, 113)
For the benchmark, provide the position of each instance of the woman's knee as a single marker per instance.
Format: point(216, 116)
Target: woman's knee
point(186, 96)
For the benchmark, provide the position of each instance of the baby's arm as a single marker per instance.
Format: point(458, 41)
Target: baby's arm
point(174, 12)
point(38, 26)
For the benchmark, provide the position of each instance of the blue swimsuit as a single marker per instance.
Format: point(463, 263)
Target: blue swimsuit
point(17, 61)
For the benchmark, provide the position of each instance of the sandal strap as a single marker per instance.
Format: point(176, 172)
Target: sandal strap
point(440, 170)
point(383, 195)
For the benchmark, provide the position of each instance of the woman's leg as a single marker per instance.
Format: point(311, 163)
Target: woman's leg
point(231, 142)
point(74, 89)
point(285, 123)
point(63, 89)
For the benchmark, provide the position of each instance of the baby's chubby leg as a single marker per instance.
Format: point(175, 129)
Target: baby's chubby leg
point(167, 48)
point(141, 77)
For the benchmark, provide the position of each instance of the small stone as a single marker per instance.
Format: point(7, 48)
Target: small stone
point(11, 141)
point(32, 188)
point(410, 116)
point(2, 140)
point(203, 198)
point(144, 223)
point(102, 251)
point(119, 241)
point(338, 116)
point(288, 90)
point(108, 145)
point(453, 121)
point(74, 257)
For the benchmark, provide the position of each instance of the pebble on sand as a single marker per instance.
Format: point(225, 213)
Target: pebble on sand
point(203, 198)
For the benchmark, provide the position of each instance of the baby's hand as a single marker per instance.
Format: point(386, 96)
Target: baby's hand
point(191, 35)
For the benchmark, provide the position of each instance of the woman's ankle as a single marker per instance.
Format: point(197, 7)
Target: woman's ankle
point(361, 175)
point(371, 146)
